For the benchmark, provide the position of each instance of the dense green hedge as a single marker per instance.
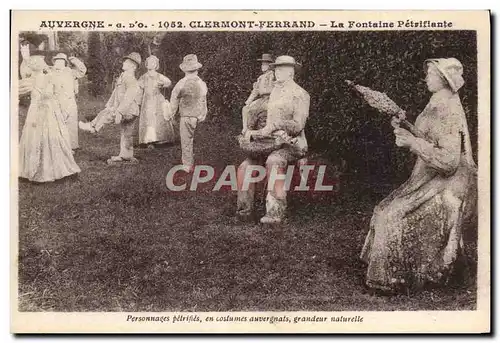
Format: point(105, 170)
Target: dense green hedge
point(341, 124)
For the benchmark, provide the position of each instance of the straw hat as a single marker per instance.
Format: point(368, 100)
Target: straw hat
point(285, 61)
point(190, 63)
point(60, 56)
point(266, 58)
point(134, 57)
point(451, 69)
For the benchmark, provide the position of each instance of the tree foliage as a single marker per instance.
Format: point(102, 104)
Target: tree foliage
point(73, 43)
point(97, 64)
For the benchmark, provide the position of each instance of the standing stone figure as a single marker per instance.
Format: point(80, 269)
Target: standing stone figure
point(122, 108)
point(64, 74)
point(153, 127)
point(189, 98)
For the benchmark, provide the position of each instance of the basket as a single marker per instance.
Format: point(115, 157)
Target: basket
point(259, 146)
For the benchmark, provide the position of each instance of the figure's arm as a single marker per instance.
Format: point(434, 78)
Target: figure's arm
point(174, 97)
point(78, 68)
point(165, 81)
point(141, 82)
point(109, 103)
point(254, 94)
point(266, 84)
point(204, 92)
point(24, 68)
point(444, 154)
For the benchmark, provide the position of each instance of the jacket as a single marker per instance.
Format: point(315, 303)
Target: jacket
point(126, 96)
point(189, 97)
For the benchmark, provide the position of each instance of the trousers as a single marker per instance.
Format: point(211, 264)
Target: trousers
point(127, 127)
point(187, 127)
point(276, 203)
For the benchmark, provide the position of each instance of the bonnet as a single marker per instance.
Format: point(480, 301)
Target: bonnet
point(451, 69)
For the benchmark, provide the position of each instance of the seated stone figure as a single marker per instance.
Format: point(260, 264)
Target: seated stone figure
point(256, 103)
point(287, 113)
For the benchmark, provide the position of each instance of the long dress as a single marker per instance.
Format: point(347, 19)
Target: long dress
point(415, 233)
point(153, 128)
point(44, 149)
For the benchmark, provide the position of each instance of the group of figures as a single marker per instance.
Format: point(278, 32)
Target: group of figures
point(132, 99)
point(415, 234)
point(50, 134)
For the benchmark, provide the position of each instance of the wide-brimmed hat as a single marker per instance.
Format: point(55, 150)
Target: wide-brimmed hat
point(451, 69)
point(134, 57)
point(60, 56)
point(285, 61)
point(266, 58)
point(190, 63)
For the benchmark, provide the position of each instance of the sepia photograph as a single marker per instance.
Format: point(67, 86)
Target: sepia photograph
point(251, 169)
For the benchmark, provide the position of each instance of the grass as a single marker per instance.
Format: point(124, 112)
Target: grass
point(116, 239)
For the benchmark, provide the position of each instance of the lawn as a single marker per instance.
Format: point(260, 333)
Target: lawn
point(116, 239)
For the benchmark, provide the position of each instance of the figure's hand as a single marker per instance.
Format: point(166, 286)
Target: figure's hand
point(397, 119)
point(401, 115)
point(404, 138)
point(127, 117)
point(250, 133)
point(395, 122)
point(267, 130)
point(279, 141)
point(167, 117)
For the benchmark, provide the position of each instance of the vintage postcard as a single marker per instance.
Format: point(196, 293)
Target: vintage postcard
point(250, 171)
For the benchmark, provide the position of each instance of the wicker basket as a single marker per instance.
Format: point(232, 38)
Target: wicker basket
point(259, 146)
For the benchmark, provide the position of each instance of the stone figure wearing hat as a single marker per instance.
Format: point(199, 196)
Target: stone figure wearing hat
point(189, 99)
point(45, 153)
point(66, 71)
point(256, 103)
point(415, 234)
point(122, 108)
point(153, 126)
point(287, 113)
